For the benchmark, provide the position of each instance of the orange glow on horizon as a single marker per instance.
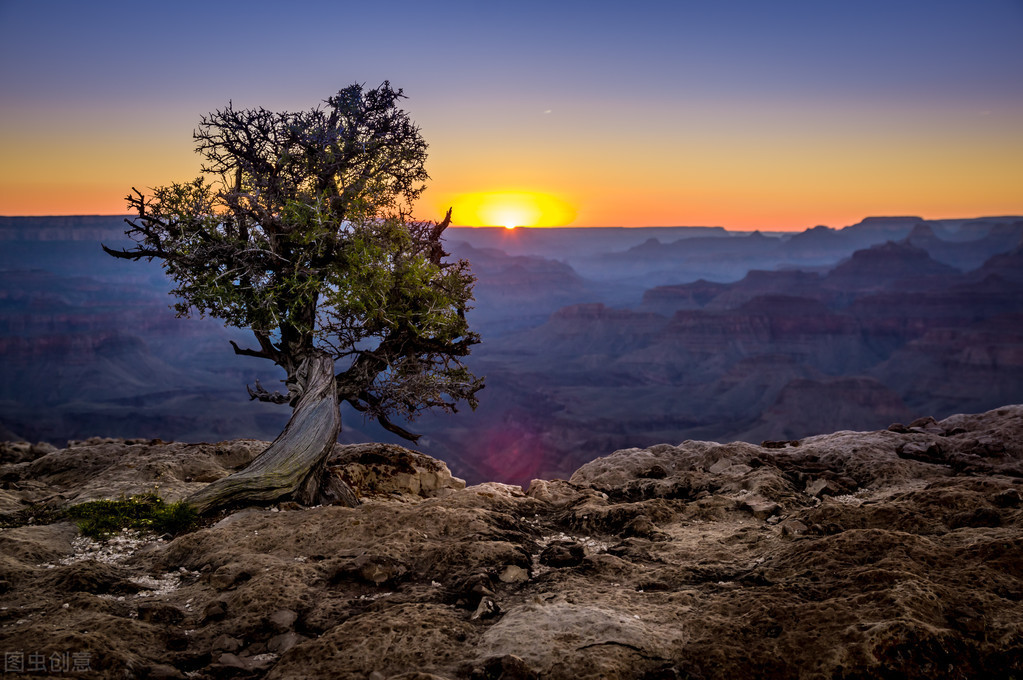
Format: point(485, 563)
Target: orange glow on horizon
point(741, 165)
point(511, 209)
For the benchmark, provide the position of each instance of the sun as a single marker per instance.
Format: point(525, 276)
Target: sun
point(510, 217)
point(510, 209)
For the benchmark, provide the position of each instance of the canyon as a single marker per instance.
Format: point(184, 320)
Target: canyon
point(593, 339)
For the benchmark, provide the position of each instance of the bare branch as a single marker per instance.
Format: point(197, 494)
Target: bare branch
point(136, 254)
point(384, 421)
point(249, 352)
point(397, 429)
point(437, 253)
point(262, 394)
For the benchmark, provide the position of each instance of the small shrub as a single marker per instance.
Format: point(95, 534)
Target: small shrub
point(176, 518)
point(99, 519)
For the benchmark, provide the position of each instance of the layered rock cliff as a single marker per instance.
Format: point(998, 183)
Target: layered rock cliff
point(893, 553)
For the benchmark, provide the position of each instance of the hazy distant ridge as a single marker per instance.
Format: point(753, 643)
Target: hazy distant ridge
point(62, 228)
point(593, 338)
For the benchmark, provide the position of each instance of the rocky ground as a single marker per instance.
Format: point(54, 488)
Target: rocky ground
point(893, 554)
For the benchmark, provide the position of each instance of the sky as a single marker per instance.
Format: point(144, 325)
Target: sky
point(747, 114)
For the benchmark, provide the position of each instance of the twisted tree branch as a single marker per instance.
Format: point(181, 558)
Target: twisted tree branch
point(262, 394)
point(136, 254)
point(384, 421)
point(249, 352)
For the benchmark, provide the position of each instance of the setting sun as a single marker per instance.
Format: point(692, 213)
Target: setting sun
point(512, 209)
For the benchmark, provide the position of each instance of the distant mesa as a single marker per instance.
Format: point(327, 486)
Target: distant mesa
point(884, 223)
point(63, 228)
point(1008, 266)
point(668, 299)
point(966, 255)
point(885, 264)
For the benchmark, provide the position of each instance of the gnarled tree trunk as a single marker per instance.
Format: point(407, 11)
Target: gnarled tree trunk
point(293, 466)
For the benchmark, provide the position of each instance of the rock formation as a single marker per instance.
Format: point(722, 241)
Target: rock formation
point(581, 357)
point(893, 553)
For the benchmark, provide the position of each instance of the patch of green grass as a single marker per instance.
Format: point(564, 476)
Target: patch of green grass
point(147, 511)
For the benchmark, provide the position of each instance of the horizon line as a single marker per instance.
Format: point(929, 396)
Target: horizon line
point(603, 226)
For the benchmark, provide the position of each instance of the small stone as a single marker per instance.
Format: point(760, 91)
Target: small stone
point(279, 644)
point(513, 574)
point(481, 590)
point(215, 611)
point(921, 451)
point(254, 649)
point(817, 487)
point(233, 661)
point(226, 643)
point(228, 575)
point(486, 609)
point(926, 424)
point(283, 619)
point(562, 554)
point(793, 527)
point(471, 590)
point(261, 662)
point(377, 573)
point(761, 509)
point(163, 672)
point(377, 570)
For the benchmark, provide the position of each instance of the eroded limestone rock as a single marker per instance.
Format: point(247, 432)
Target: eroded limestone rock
point(839, 557)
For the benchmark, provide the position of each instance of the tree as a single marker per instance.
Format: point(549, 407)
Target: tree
point(299, 229)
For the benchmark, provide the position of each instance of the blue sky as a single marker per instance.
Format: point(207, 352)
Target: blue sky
point(525, 96)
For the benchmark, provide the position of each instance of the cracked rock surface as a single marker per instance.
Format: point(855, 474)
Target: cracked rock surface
point(896, 553)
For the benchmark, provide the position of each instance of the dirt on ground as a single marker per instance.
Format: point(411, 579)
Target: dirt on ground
point(891, 554)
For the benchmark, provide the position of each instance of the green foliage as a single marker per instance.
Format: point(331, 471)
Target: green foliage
point(300, 230)
point(146, 511)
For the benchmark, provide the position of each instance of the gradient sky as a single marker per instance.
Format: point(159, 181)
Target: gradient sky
point(751, 114)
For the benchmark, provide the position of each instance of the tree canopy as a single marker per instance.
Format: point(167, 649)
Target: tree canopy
point(300, 229)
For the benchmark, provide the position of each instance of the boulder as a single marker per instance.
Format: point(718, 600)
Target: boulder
point(382, 469)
